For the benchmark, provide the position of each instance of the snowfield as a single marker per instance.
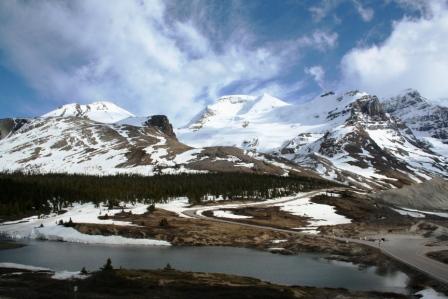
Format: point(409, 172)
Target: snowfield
point(46, 227)
point(103, 111)
point(319, 214)
point(69, 234)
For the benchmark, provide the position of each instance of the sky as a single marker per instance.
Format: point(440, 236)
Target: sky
point(174, 57)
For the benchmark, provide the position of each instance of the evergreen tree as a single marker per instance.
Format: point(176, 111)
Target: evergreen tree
point(108, 266)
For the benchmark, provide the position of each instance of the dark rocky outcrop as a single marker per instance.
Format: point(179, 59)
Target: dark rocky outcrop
point(420, 114)
point(162, 123)
point(371, 106)
point(11, 125)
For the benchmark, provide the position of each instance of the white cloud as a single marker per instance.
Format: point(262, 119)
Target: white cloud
point(415, 55)
point(320, 40)
point(321, 11)
point(366, 13)
point(425, 7)
point(327, 7)
point(318, 74)
point(128, 52)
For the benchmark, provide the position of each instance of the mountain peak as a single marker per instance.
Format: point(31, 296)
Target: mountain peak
point(100, 111)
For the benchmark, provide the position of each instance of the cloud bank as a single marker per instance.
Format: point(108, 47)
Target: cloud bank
point(131, 53)
point(415, 55)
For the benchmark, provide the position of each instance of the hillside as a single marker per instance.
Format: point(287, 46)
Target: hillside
point(430, 195)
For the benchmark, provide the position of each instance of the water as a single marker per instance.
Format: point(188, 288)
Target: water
point(303, 269)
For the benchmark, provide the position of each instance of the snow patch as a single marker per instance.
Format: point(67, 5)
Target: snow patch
point(22, 267)
point(319, 214)
point(46, 227)
point(431, 294)
point(66, 275)
point(69, 234)
point(229, 214)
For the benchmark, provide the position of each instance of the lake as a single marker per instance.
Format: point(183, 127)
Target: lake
point(304, 269)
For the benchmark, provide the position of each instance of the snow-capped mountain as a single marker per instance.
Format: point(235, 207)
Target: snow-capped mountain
point(352, 138)
point(104, 112)
point(84, 143)
point(347, 137)
point(427, 121)
point(244, 121)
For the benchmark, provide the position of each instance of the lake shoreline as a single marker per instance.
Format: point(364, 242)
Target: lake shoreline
point(121, 283)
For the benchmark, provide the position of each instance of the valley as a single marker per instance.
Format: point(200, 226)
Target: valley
point(342, 188)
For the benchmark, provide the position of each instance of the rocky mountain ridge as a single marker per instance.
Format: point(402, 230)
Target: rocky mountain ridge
point(429, 122)
point(354, 138)
point(351, 137)
point(138, 145)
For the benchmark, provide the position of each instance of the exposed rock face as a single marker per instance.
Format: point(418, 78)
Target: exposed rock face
point(370, 106)
point(11, 125)
point(366, 141)
point(427, 121)
point(162, 123)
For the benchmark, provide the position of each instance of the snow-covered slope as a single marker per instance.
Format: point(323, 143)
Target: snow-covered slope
point(237, 120)
point(428, 122)
point(366, 141)
point(350, 137)
point(104, 112)
point(347, 137)
point(143, 145)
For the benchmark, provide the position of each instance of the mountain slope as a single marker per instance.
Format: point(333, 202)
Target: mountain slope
point(427, 121)
point(430, 195)
point(347, 137)
point(77, 144)
point(237, 120)
point(104, 112)
point(369, 143)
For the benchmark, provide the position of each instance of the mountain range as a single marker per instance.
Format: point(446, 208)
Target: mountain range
point(354, 138)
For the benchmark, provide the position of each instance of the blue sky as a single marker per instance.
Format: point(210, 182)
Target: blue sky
point(174, 57)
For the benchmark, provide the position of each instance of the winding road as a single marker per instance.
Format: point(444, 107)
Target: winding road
point(407, 249)
point(411, 250)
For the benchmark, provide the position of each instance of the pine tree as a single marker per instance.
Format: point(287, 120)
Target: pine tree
point(108, 266)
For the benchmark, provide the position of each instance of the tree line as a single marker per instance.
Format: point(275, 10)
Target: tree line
point(42, 193)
